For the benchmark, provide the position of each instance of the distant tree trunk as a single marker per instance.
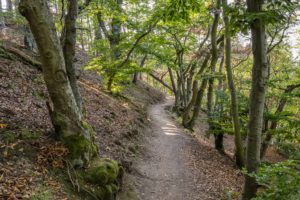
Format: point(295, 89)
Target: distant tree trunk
point(189, 82)
point(172, 80)
point(29, 42)
point(76, 134)
point(239, 151)
point(2, 23)
point(219, 108)
point(136, 75)
point(68, 41)
point(114, 41)
point(187, 111)
point(214, 60)
point(9, 5)
point(257, 98)
point(198, 103)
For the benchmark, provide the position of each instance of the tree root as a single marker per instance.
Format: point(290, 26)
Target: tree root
point(12, 53)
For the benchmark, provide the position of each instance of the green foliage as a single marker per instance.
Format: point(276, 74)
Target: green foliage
point(274, 12)
point(291, 150)
point(181, 9)
point(280, 181)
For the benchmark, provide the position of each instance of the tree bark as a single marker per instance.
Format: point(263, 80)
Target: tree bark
point(187, 111)
point(68, 41)
point(257, 98)
point(76, 134)
point(214, 60)
point(239, 151)
point(136, 75)
point(2, 22)
point(197, 106)
point(9, 5)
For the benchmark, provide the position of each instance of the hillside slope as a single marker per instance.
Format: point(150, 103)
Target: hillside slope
point(32, 161)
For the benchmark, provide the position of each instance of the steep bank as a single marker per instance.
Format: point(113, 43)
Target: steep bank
point(32, 163)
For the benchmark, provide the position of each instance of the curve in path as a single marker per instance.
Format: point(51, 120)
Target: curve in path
point(175, 166)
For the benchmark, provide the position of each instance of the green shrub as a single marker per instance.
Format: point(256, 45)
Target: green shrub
point(280, 181)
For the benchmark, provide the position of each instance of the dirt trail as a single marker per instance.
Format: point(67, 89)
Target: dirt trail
point(176, 166)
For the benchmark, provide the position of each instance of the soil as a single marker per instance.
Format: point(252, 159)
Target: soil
point(175, 165)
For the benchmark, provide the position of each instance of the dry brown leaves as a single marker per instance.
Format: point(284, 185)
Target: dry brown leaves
point(52, 155)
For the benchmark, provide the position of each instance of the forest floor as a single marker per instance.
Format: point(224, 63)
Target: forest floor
point(32, 162)
point(176, 165)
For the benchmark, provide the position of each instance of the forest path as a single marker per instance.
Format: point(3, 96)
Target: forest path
point(175, 166)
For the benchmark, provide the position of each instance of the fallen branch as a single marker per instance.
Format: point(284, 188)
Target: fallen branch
point(162, 82)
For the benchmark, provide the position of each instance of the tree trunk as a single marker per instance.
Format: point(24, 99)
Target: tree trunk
point(219, 142)
point(197, 106)
point(257, 98)
point(239, 151)
point(9, 5)
point(187, 111)
point(68, 40)
point(2, 22)
point(172, 80)
point(76, 134)
point(29, 42)
point(136, 75)
point(214, 60)
point(219, 108)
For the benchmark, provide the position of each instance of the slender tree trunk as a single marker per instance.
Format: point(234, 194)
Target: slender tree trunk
point(219, 108)
point(214, 60)
point(172, 80)
point(76, 134)
point(9, 5)
point(68, 41)
point(114, 41)
point(187, 111)
point(2, 22)
point(29, 42)
point(197, 106)
point(239, 151)
point(136, 75)
point(257, 98)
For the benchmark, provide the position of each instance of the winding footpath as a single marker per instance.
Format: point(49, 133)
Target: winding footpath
point(175, 165)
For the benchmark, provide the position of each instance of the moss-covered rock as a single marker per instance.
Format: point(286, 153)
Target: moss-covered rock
point(103, 172)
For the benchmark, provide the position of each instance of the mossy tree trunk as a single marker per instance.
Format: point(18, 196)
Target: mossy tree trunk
point(239, 151)
point(257, 97)
point(66, 117)
point(68, 41)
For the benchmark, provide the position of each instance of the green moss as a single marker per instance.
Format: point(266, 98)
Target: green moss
point(80, 143)
point(103, 172)
point(9, 137)
point(81, 149)
point(27, 134)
